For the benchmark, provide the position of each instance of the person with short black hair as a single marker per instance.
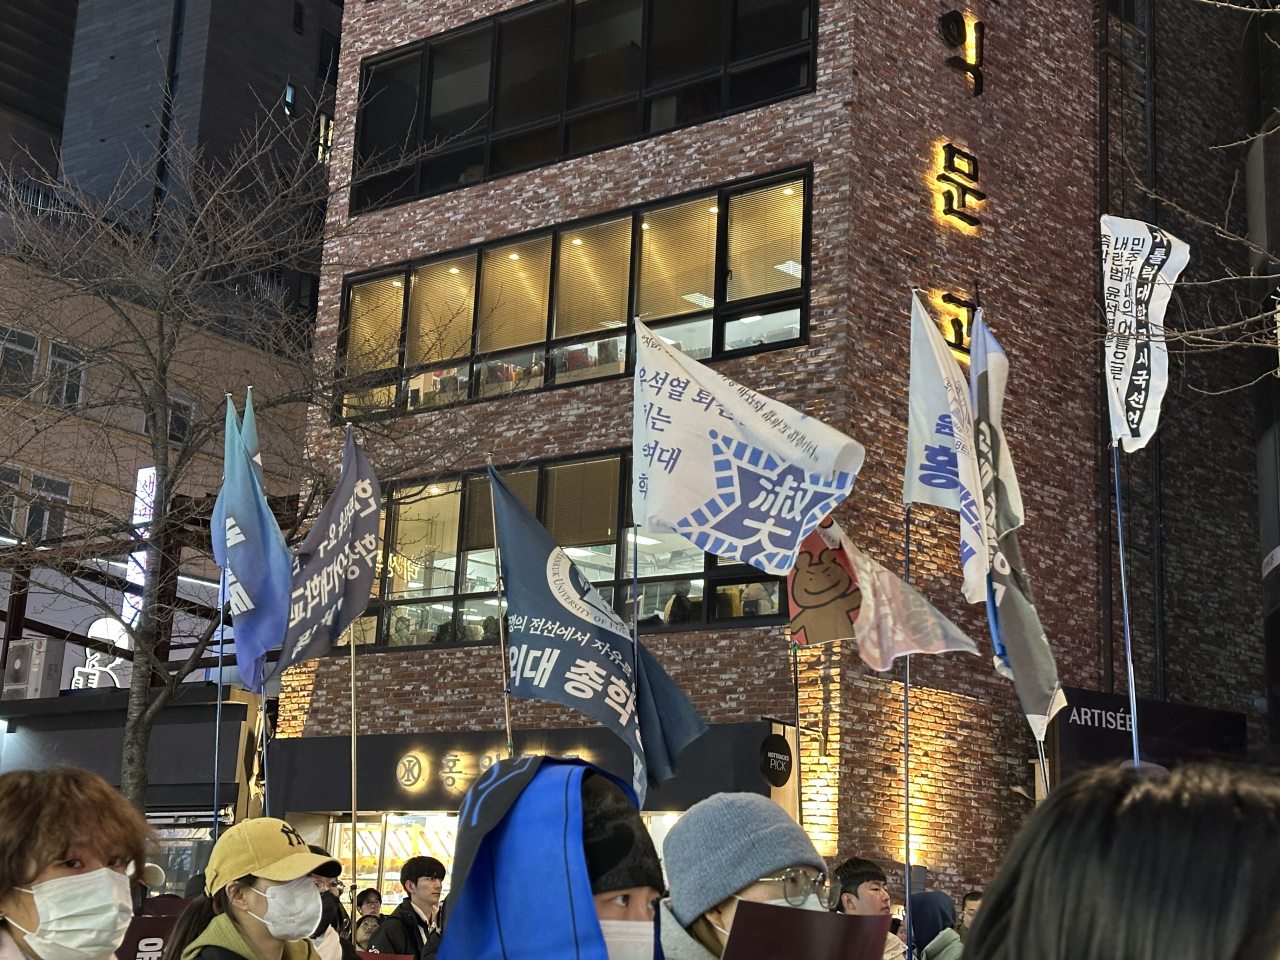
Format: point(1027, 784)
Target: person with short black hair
point(1118, 865)
point(369, 903)
point(862, 893)
point(968, 912)
point(366, 927)
point(415, 927)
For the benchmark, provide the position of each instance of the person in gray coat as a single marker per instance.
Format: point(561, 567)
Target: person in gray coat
point(732, 847)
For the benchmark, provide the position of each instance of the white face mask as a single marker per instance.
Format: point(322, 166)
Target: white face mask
point(628, 939)
point(82, 917)
point(293, 909)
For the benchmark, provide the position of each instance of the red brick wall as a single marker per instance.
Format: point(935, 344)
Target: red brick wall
point(884, 96)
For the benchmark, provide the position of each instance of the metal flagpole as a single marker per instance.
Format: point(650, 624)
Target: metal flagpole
point(502, 619)
point(217, 711)
point(1124, 597)
point(265, 807)
point(906, 748)
point(795, 680)
point(635, 601)
point(351, 641)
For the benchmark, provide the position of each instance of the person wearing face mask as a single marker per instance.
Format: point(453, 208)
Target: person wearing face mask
point(330, 938)
point(729, 848)
point(552, 863)
point(66, 840)
point(259, 900)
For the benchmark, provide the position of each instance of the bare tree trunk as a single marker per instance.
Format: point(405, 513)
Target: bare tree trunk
point(137, 724)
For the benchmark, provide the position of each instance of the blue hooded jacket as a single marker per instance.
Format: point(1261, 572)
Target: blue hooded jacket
point(520, 870)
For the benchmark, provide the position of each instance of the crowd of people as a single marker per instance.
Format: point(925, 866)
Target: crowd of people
point(554, 861)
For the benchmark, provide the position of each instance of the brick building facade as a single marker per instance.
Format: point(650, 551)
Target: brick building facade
point(869, 133)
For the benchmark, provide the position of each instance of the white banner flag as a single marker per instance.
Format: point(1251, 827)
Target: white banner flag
point(737, 474)
point(895, 619)
point(942, 463)
point(1140, 265)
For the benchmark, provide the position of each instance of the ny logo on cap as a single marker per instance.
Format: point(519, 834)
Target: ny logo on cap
point(295, 838)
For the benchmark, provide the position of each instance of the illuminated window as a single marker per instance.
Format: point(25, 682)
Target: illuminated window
point(568, 77)
point(513, 296)
point(722, 273)
point(678, 259)
point(594, 278)
point(439, 572)
point(373, 330)
point(766, 235)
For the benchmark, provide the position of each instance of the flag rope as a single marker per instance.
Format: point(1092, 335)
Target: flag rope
point(265, 807)
point(217, 710)
point(502, 618)
point(906, 747)
point(1124, 597)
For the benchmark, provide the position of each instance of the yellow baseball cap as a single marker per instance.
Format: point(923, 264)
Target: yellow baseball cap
point(263, 847)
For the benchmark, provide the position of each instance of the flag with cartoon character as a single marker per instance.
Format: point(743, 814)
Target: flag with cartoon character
point(734, 472)
point(838, 592)
point(566, 644)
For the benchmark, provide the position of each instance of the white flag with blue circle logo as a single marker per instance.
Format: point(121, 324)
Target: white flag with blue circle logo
point(942, 462)
point(735, 473)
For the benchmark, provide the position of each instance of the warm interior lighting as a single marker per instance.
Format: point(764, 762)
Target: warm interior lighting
point(514, 256)
point(453, 269)
point(644, 226)
point(577, 242)
point(790, 268)
point(395, 283)
point(433, 490)
point(787, 191)
point(700, 299)
point(713, 209)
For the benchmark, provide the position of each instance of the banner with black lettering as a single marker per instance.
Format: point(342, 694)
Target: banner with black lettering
point(1140, 265)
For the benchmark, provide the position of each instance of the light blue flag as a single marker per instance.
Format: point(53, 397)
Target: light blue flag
point(249, 547)
point(249, 435)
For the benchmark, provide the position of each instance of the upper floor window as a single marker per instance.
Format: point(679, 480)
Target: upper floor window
point(438, 583)
point(18, 353)
point(566, 77)
point(10, 484)
point(716, 274)
point(66, 376)
point(45, 520)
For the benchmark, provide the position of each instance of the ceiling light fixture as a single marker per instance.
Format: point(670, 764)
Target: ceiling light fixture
point(514, 256)
point(644, 226)
point(713, 209)
point(577, 242)
point(701, 299)
point(749, 319)
point(453, 269)
point(787, 191)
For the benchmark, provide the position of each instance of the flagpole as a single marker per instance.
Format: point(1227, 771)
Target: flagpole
point(906, 746)
point(635, 602)
point(217, 711)
point(265, 807)
point(1124, 596)
point(795, 680)
point(502, 619)
point(351, 641)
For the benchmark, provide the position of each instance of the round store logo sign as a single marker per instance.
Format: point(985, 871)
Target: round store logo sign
point(410, 771)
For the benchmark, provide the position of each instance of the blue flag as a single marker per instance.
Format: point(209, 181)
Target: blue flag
point(249, 547)
point(567, 645)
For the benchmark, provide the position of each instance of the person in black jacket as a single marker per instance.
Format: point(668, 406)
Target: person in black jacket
point(415, 927)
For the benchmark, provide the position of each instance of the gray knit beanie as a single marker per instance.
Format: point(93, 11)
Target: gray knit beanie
point(727, 842)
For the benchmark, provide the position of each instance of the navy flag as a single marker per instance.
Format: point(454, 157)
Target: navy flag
point(567, 645)
point(334, 569)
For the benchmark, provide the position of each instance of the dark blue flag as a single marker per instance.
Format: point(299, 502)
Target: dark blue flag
point(334, 570)
point(248, 545)
point(567, 645)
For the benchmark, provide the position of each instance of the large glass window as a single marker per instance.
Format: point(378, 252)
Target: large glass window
point(439, 574)
point(17, 362)
point(46, 520)
point(565, 77)
point(720, 273)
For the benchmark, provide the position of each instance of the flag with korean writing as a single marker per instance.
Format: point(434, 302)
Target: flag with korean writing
point(248, 545)
point(334, 569)
point(942, 465)
point(1022, 650)
point(566, 644)
point(1140, 265)
point(736, 473)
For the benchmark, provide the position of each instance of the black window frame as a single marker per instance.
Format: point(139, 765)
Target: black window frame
point(720, 314)
point(25, 345)
point(50, 516)
point(715, 572)
point(726, 72)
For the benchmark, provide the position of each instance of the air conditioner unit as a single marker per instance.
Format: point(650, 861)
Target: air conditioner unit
point(33, 669)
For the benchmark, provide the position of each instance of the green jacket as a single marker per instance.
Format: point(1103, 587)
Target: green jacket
point(223, 933)
point(945, 946)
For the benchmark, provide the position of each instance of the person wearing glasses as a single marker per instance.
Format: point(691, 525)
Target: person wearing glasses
point(331, 938)
point(729, 848)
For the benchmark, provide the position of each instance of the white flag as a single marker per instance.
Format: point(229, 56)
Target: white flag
point(1140, 265)
point(737, 474)
point(895, 619)
point(942, 463)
